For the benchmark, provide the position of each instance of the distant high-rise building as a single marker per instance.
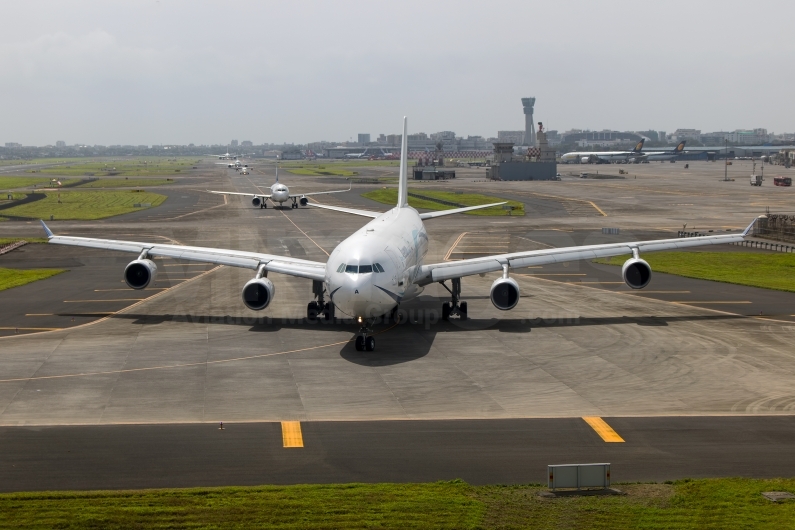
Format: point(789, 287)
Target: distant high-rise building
point(661, 136)
point(364, 139)
point(529, 128)
point(60, 143)
point(13, 144)
point(233, 143)
point(246, 143)
point(514, 137)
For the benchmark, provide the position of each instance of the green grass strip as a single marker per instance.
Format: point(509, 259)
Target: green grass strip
point(125, 183)
point(9, 183)
point(84, 205)
point(389, 196)
point(768, 271)
point(8, 240)
point(15, 277)
point(351, 506)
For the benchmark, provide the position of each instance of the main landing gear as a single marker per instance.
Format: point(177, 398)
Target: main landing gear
point(295, 202)
point(364, 341)
point(319, 309)
point(454, 307)
point(263, 204)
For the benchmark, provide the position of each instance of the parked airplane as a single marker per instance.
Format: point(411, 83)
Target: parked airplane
point(382, 264)
point(589, 157)
point(654, 156)
point(279, 193)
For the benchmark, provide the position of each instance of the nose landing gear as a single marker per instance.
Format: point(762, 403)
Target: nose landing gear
point(365, 342)
point(455, 306)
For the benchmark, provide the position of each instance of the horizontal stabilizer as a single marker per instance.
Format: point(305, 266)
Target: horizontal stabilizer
point(431, 215)
point(363, 213)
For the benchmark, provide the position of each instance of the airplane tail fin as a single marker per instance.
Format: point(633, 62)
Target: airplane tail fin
point(277, 173)
point(639, 146)
point(680, 147)
point(403, 183)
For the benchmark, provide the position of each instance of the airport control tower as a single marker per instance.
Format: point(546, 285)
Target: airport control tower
point(529, 127)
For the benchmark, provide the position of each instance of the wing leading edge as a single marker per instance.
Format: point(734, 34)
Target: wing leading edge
point(312, 270)
point(456, 269)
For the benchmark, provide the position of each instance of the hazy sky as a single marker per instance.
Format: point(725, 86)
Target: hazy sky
point(165, 71)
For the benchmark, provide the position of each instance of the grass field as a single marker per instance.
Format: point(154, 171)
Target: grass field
point(39, 161)
point(8, 240)
point(10, 183)
point(84, 205)
point(687, 504)
point(15, 277)
point(322, 171)
point(125, 168)
point(125, 183)
point(769, 271)
point(389, 196)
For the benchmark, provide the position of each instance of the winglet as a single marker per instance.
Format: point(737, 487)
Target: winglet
point(46, 229)
point(403, 183)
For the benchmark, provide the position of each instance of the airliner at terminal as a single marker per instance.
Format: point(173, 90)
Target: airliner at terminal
point(587, 157)
point(382, 264)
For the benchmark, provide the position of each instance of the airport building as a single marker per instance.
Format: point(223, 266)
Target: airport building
point(538, 164)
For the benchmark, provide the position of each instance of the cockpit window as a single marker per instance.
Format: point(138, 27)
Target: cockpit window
point(377, 267)
point(364, 269)
point(352, 268)
point(341, 268)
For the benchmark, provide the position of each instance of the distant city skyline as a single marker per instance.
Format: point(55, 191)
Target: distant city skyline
point(172, 71)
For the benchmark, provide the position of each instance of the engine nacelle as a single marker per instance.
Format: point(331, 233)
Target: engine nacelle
point(304, 201)
point(504, 293)
point(636, 273)
point(258, 293)
point(140, 273)
point(256, 201)
point(585, 160)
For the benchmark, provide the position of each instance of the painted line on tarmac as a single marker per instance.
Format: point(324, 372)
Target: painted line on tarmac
point(184, 365)
point(291, 434)
point(604, 430)
point(110, 300)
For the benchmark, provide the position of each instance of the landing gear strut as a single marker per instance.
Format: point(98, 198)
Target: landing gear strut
point(455, 306)
point(263, 204)
point(365, 342)
point(319, 309)
point(295, 202)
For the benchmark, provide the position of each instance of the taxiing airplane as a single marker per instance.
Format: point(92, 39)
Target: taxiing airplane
point(279, 193)
point(225, 156)
point(382, 264)
point(590, 157)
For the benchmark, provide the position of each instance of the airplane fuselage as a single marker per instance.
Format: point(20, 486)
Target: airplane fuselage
point(374, 269)
point(280, 193)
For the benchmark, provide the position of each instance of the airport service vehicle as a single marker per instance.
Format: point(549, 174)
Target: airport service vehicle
point(756, 180)
point(782, 181)
point(596, 157)
point(279, 193)
point(382, 264)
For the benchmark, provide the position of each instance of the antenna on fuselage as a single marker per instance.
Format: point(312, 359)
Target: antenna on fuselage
point(403, 183)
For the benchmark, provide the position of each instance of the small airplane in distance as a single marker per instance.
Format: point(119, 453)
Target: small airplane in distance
point(653, 156)
point(279, 193)
point(590, 157)
point(237, 164)
point(225, 156)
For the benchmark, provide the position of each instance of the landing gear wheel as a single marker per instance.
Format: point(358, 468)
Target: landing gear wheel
point(328, 312)
point(359, 343)
point(445, 311)
point(369, 344)
point(462, 310)
point(264, 204)
point(311, 312)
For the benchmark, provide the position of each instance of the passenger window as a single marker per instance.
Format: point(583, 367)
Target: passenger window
point(364, 269)
point(352, 268)
point(341, 267)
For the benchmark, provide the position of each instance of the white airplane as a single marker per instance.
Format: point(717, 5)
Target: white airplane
point(588, 157)
point(382, 264)
point(279, 193)
point(237, 164)
point(225, 156)
point(653, 156)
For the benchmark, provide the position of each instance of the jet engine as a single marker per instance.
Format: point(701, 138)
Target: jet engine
point(304, 201)
point(140, 273)
point(504, 293)
point(585, 160)
point(258, 293)
point(636, 273)
point(256, 201)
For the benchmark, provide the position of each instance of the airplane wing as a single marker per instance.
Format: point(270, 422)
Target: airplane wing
point(456, 269)
point(312, 270)
point(350, 185)
point(363, 213)
point(238, 193)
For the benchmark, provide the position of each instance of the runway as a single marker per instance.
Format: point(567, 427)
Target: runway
point(685, 371)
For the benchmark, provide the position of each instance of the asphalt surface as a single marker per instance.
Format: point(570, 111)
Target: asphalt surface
point(480, 452)
point(688, 372)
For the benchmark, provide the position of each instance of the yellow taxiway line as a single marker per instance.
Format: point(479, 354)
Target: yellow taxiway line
point(604, 430)
point(291, 434)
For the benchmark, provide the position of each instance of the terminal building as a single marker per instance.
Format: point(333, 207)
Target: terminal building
point(538, 164)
